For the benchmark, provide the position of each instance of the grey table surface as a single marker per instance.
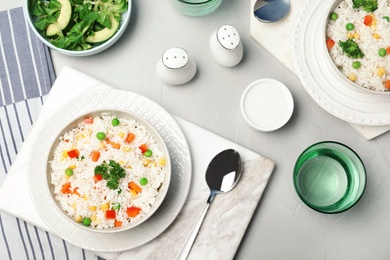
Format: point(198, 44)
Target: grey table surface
point(282, 226)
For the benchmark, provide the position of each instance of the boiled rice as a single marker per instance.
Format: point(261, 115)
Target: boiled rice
point(87, 199)
point(368, 75)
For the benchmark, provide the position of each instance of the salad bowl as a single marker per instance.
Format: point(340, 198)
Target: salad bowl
point(78, 31)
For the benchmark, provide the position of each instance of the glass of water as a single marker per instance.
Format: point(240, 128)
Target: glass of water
point(196, 7)
point(329, 177)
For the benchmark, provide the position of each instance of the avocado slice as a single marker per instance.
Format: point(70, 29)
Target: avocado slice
point(62, 20)
point(105, 34)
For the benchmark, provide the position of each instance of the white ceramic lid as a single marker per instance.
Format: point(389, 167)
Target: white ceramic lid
point(267, 104)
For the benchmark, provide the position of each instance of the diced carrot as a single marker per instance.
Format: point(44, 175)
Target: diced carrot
point(88, 120)
point(143, 148)
point(97, 178)
point(133, 211)
point(113, 144)
point(73, 153)
point(130, 137)
point(133, 186)
point(329, 43)
point(76, 192)
point(368, 20)
point(387, 84)
point(65, 187)
point(388, 50)
point(118, 223)
point(95, 156)
point(110, 214)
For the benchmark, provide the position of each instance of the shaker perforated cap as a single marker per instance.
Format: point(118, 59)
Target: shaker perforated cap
point(228, 37)
point(175, 58)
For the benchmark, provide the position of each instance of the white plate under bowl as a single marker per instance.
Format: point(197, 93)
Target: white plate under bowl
point(267, 104)
point(325, 85)
point(178, 150)
point(74, 123)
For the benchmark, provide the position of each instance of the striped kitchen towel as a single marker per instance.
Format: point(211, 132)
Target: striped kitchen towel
point(26, 76)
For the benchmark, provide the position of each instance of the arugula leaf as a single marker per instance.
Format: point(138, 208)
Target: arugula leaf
point(351, 49)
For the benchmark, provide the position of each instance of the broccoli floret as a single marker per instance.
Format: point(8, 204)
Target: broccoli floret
point(367, 5)
point(351, 49)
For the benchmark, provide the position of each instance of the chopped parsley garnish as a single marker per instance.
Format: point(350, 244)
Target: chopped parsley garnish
point(367, 5)
point(351, 49)
point(112, 172)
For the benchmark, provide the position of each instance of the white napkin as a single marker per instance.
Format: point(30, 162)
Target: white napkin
point(257, 171)
point(277, 39)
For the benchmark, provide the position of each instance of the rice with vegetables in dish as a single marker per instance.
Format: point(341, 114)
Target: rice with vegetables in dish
point(107, 172)
point(358, 40)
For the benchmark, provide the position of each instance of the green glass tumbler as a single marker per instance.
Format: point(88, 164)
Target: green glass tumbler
point(196, 7)
point(329, 177)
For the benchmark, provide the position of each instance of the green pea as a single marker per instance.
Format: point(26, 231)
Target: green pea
point(116, 206)
point(86, 221)
point(356, 64)
point(143, 181)
point(349, 26)
point(69, 172)
point(382, 52)
point(115, 122)
point(334, 16)
point(148, 153)
point(386, 18)
point(101, 136)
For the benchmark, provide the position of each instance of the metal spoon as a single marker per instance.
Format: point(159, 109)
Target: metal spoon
point(222, 175)
point(269, 11)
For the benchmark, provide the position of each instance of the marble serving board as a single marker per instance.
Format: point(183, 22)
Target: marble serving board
point(276, 38)
point(228, 216)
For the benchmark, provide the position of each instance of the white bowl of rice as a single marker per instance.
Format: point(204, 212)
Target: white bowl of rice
point(357, 43)
point(108, 171)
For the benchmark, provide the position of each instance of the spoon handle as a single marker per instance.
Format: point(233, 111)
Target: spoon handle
point(185, 249)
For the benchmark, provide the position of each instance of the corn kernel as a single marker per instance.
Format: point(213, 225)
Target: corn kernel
point(121, 134)
point(65, 153)
point(350, 35)
point(356, 35)
point(74, 205)
point(374, 20)
point(380, 72)
point(93, 218)
point(79, 136)
point(102, 145)
point(72, 166)
point(126, 149)
point(78, 218)
point(67, 177)
point(162, 161)
point(133, 194)
point(376, 36)
point(146, 162)
point(121, 162)
point(93, 208)
point(104, 207)
point(85, 197)
point(352, 77)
